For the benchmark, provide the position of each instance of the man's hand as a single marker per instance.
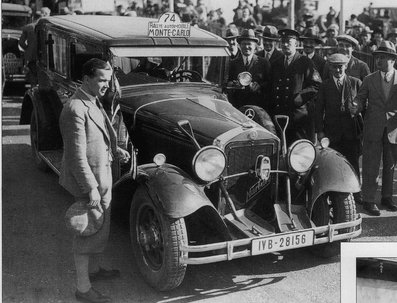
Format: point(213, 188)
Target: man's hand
point(319, 136)
point(255, 87)
point(123, 155)
point(353, 108)
point(95, 199)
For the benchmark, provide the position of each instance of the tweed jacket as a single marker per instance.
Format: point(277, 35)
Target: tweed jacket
point(260, 70)
point(379, 108)
point(332, 115)
point(89, 142)
point(293, 87)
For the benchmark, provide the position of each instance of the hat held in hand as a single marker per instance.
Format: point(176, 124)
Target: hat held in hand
point(83, 220)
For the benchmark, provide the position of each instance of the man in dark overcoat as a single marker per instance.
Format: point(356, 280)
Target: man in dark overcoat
point(310, 40)
point(89, 148)
point(270, 41)
point(379, 93)
point(332, 115)
point(294, 85)
point(258, 67)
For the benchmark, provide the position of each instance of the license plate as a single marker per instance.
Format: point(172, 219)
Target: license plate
point(282, 242)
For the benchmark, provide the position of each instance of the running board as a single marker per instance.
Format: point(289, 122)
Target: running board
point(53, 158)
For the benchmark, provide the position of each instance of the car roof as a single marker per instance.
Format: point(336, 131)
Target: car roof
point(129, 31)
point(15, 8)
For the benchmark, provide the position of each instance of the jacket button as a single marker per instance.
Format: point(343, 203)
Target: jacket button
point(277, 88)
point(287, 87)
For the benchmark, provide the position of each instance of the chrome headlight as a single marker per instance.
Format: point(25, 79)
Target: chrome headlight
point(301, 156)
point(208, 163)
point(244, 78)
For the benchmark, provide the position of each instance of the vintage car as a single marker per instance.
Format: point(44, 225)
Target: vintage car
point(13, 18)
point(205, 182)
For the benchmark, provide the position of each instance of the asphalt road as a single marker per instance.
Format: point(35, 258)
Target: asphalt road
point(38, 265)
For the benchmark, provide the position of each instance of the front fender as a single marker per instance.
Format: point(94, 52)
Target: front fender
point(174, 191)
point(332, 172)
point(27, 105)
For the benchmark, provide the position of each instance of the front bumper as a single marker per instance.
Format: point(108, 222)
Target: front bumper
point(322, 234)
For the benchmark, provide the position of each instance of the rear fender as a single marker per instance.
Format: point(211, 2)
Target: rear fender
point(332, 173)
point(173, 191)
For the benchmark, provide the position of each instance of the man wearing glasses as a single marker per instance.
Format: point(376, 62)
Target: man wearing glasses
point(295, 83)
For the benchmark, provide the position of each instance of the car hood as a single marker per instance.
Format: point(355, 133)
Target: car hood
point(164, 104)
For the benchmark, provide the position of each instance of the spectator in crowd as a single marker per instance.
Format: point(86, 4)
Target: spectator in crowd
point(231, 38)
point(332, 32)
point(379, 91)
point(365, 40)
point(364, 17)
point(355, 68)
point(246, 21)
point(376, 40)
point(259, 35)
point(294, 85)
point(257, 12)
point(89, 147)
point(120, 10)
point(331, 17)
point(238, 11)
point(332, 117)
point(270, 40)
point(258, 67)
point(188, 12)
point(28, 42)
point(310, 40)
point(392, 36)
point(353, 22)
point(201, 10)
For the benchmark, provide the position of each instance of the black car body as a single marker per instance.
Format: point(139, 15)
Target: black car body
point(205, 183)
point(14, 18)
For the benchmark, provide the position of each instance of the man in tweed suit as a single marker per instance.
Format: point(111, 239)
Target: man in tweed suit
point(379, 89)
point(89, 148)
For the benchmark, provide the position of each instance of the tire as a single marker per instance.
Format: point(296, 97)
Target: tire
point(331, 208)
point(156, 241)
point(34, 139)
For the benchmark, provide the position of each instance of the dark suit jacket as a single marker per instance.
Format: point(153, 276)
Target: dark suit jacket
point(275, 55)
point(293, 87)
point(260, 70)
point(319, 63)
point(329, 118)
point(375, 119)
point(89, 140)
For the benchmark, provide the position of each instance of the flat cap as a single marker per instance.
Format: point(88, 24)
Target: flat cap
point(347, 38)
point(338, 59)
point(288, 33)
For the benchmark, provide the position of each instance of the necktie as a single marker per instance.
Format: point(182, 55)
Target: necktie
point(267, 55)
point(339, 84)
point(247, 63)
point(387, 79)
point(286, 63)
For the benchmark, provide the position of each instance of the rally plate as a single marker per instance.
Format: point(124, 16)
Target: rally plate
point(282, 242)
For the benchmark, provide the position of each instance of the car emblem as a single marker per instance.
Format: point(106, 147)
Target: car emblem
point(263, 167)
point(250, 113)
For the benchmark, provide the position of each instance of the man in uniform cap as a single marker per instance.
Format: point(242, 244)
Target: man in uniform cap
point(379, 93)
point(355, 67)
point(310, 40)
point(332, 115)
point(270, 41)
point(258, 67)
point(295, 83)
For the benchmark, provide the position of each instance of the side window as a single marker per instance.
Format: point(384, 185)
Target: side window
point(57, 54)
point(81, 53)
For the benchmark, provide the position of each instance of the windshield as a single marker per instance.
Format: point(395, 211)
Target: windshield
point(176, 69)
point(14, 22)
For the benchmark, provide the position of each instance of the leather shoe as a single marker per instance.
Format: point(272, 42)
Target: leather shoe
point(388, 204)
point(92, 296)
point(103, 274)
point(371, 208)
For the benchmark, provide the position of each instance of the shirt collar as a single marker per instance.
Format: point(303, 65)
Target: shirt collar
point(388, 74)
point(342, 79)
point(270, 52)
point(249, 58)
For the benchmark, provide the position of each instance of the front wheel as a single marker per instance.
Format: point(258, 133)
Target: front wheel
point(332, 208)
point(156, 240)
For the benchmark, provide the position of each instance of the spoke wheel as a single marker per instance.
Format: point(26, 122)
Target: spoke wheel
point(156, 241)
point(332, 208)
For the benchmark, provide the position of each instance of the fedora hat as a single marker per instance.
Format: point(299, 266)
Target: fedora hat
point(288, 33)
point(270, 32)
point(247, 34)
point(82, 220)
point(386, 47)
point(347, 38)
point(311, 34)
point(338, 59)
point(231, 33)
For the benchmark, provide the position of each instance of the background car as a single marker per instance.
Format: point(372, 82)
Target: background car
point(13, 18)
